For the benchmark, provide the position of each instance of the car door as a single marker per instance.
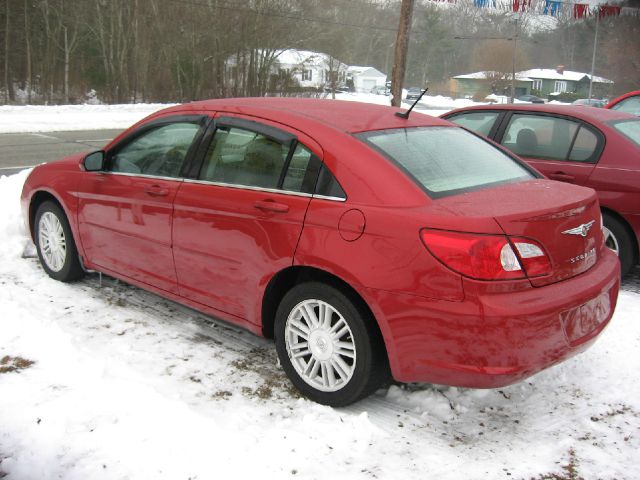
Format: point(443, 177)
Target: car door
point(562, 148)
point(125, 212)
point(238, 220)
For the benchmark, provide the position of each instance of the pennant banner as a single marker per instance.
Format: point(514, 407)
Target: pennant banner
point(552, 8)
point(485, 3)
point(555, 8)
point(521, 5)
point(581, 10)
point(629, 12)
point(608, 11)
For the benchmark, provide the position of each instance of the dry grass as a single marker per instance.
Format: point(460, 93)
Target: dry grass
point(14, 364)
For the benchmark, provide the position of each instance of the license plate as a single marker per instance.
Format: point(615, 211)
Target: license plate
point(583, 320)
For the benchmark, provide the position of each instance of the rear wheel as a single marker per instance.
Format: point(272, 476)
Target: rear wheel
point(328, 346)
point(54, 242)
point(618, 239)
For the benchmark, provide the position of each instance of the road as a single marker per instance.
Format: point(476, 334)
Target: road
point(23, 150)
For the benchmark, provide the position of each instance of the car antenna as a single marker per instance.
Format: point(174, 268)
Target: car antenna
point(406, 114)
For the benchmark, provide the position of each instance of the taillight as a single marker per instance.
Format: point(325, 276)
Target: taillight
point(487, 257)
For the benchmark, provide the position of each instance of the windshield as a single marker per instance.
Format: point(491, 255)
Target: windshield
point(630, 129)
point(447, 160)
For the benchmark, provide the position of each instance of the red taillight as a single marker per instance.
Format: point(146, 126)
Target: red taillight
point(487, 257)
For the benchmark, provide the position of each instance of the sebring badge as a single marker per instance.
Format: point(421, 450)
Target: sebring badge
point(581, 230)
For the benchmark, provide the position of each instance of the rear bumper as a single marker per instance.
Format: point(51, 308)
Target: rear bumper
point(493, 339)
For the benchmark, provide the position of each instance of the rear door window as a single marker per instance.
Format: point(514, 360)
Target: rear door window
point(238, 156)
point(294, 179)
point(479, 122)
point(539, 136)
point(584, 145)
point(241, 157)
point(551, 138)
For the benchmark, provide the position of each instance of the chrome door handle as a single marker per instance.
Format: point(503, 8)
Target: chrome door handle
point(271, 206)
point(156, 191)
point(563, 177)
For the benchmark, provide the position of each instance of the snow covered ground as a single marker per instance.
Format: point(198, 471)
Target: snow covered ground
point(106, 381)
point(58, 118)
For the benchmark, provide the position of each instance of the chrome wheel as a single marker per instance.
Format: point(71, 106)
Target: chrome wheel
point(320, 345)
point(52, 241)
point(611, 241)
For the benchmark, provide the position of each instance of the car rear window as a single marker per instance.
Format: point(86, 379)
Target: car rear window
point(628, 105)
point(447, 160)
point(630, 129)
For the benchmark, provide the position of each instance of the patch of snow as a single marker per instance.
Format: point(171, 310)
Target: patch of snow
point(57, 118)
point(128, 385)
point(434, 105)
point(94, 116)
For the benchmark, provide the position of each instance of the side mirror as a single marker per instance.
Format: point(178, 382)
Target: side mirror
point(94, 162)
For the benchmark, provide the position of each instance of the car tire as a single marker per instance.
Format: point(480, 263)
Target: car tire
point(311, 320)
point(618, 239)
point(55, 245)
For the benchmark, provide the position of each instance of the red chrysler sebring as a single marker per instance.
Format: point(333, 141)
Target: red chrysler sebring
point(365, 243)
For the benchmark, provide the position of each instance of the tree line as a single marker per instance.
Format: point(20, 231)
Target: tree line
point(56, 51)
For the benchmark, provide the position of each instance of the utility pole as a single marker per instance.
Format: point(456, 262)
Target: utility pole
point(400, 57)
point(593, 58)
point(513, 60)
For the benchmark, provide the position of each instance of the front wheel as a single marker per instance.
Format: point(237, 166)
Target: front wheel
point(618, 239)
point(56, 249)
point(328, 345)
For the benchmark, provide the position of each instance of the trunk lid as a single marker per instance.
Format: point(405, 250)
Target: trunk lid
point(563, 218)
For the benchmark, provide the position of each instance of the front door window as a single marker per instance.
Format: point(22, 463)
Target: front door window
point(158, 152)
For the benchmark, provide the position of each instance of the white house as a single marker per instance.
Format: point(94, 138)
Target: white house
point(311, 69)
point(366, 79)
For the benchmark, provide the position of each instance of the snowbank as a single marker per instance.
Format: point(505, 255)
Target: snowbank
point(58, 118)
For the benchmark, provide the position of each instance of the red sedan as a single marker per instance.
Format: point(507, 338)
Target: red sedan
point(627, 103)
point(365, 243)
point(592, 147)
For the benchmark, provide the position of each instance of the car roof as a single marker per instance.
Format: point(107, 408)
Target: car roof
point(588, 114)
point(347, 116)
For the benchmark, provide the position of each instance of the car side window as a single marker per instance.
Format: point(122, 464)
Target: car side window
point(294, 179)
point(158, 152)
point(328, 186)
point(584, 145)
point(629, 105)
point(241, 157)
point(540, 136)
point(479, 122)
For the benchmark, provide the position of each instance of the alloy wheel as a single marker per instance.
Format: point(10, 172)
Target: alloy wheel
point(52, 241)
point(320, 345)
point(611, 241)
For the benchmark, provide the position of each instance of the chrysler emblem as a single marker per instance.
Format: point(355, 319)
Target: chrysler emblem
point(581, 230)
